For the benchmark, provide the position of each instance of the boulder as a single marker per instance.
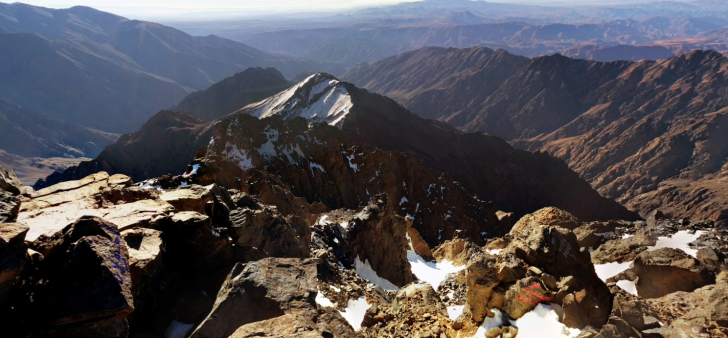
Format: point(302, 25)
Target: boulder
point(548, 217)
point(555, 250)
point(330, 324)
point(150, 277)
point(418, 299)
point(379, 236)
point(12, 256)
point(594, 234)
point(83, 278)
point(9, 182)
point(9, 207)
point(265, 228)
point(481, 277)
point(523, 297)
point(664, 271)
point(457, 251)
point(194, 244)
point(189, 198)
point(542, 262)
point(261, 290)
point(211, 200)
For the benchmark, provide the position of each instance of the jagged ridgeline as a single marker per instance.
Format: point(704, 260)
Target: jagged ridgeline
point(516, 181)
point(328, 211)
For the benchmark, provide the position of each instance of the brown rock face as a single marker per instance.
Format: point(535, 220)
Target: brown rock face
point(316, 163)
point(482, 277)
point(12, 256)
point(292, 326)
point(261, 290)
point(9, 207)
point(380, 238)
point(9, 182)
point(648, 133)
point(699, 313)
point(84, 276)
point(149, 274)
point(666, 270)
point(257, 225)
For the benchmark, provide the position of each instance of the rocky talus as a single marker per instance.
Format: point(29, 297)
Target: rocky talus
point(283, 249)
point(649, 134)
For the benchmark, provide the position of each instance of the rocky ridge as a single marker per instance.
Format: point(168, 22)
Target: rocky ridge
point(514, 180)
point(647, 133)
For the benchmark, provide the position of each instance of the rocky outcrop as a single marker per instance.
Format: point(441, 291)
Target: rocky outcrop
point(699, 313)
point(84, 278)
point(317, 163)
point(542, 263)
point(113, 198)
point(9, 182)
point(263, 290)
point(418, 305)
point(13, 252)
point(667, 270)
point(380, 239)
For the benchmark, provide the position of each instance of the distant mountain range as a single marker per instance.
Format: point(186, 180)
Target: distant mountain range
point(630, 128)
point(106, 72)
point(375, 41)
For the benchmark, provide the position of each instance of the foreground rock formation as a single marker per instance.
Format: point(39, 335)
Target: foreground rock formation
point(227, 252)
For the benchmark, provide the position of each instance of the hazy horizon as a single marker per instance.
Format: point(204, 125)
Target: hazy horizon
point(221, 9)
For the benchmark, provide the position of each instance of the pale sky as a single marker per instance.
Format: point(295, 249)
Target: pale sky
point(170, 9)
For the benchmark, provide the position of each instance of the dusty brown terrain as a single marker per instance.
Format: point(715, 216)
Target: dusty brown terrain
point(30, 170)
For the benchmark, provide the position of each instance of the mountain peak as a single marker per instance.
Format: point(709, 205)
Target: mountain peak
point(319, 98)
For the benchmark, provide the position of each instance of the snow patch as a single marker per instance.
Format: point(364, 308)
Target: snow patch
point(364, 270)
point(625, 236)
point(355, 311)
point(680, 240)
point(492, 323)
point(543, 321)
point(628, 286)
point(609, 270)
point(322, 300)
point(335, 288)
point(195, 167)
point(316, 166)
point(403, 200)
point(430, 272)
point(238, 156)
point(495, 252)
point(455, 311)
point(353, 166)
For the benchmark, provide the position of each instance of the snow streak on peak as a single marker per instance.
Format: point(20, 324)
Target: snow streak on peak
point(319, 98)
